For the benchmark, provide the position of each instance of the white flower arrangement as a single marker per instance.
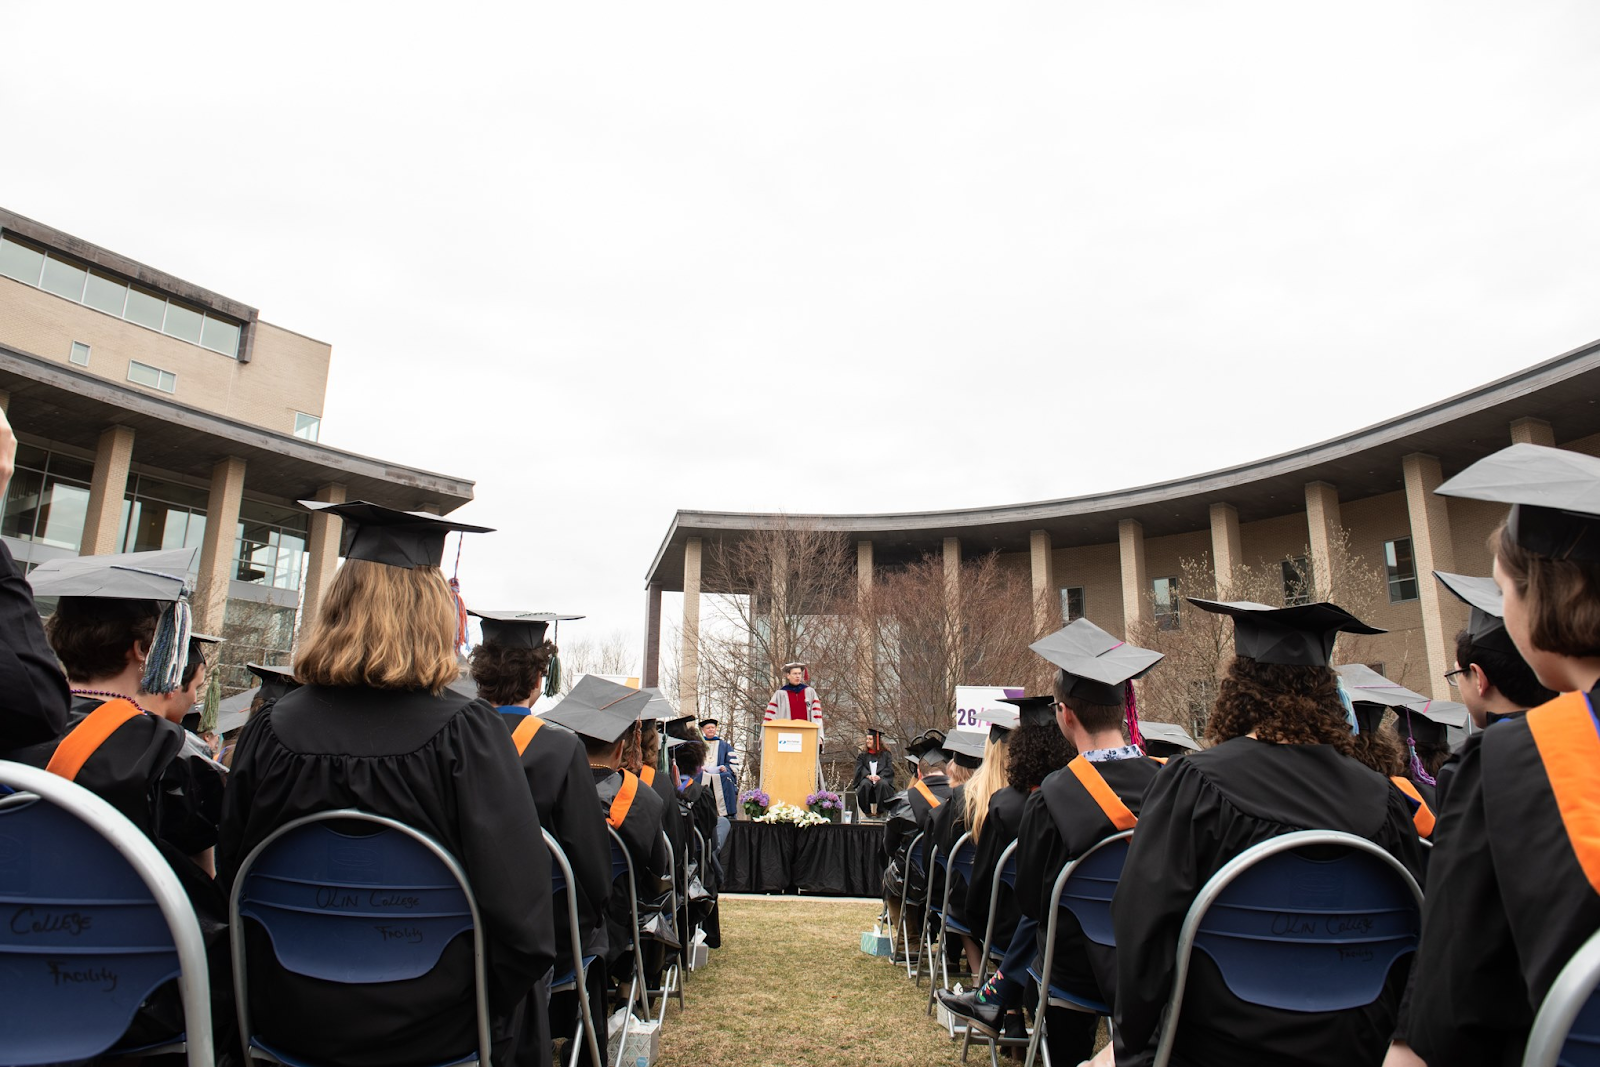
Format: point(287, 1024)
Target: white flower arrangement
point(788, 813)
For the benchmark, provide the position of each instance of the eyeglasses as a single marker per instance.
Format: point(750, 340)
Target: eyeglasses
point(1453, 677)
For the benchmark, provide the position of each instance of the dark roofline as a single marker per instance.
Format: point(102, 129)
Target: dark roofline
point(85, 390)
point(1414, 428)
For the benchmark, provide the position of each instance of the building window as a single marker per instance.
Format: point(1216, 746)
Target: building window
point(1165, 592)
point(48, 499)
point(1296, 581)
point(158, 515)
point(1401, 567)
point(306, 427)
point(154, 377)
point(79, 354)
point(66, 277)
point(270, 545)
point(1071, 603)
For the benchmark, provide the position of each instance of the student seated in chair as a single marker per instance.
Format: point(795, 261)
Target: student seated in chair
point(1279, 761)
point(909, 814)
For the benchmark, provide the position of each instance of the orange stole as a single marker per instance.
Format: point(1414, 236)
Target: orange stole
point(84, 739)
point(1118, 812)
point(1564, 732)
point(1424, 814)
point(623, 800)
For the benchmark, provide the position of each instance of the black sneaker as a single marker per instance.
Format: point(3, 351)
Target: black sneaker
point(967, 1006)
point(1015, 1025)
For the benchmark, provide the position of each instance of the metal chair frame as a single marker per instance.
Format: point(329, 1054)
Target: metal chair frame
point(671, 975)
point(636, 992)
point(927, 917)
point(942, 953)
point(1048, 963)
point(703, 852)
point(1224, 878)
point(194, 987)
point(1005, 874)
point(236, 937)
point(1568, 995)
point(579, 968)
point(904, 940)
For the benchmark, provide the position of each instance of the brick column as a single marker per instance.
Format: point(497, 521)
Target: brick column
point(322, 548)
point(1046, 616)
point(1322, 522)
point(216, 551)
point(1532, 432)
point(689, 669)
point(1226, 553)
point(103, 520)
point(1432, 549)
point(1136, 606)
point(652, 635)
point(866, 650)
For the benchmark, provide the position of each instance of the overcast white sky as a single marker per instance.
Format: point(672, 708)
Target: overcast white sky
point(611, 260)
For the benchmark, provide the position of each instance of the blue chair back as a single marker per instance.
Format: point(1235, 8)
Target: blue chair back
point(1007, 875)
point(917, 857)
point(619, 858)
point(1304, 933)
point(961, 861)
point(1088, 890)
point(85, 937)
point(1566, 1032)
point(352, 907)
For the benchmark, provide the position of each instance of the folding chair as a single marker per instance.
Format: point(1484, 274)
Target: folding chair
point(958, 868)
point(914, 863)
point(98, 922)
point(671, 974)
point(1084, 887)
point(927, 904)
point(319, 891)
point(622, 864)
point(1006, 875)
point(575, 976)
point(1299, 932)
point(1567, 1029)
point(702, 853)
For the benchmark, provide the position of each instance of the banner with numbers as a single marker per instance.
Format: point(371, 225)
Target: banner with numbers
point(971, 699)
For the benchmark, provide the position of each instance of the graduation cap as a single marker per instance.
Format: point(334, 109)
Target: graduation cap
point(709, 722)
point(128, 584)
point(658, 708)
point(1166, 738)
point(275, 681)
point(1486, 624)
point(1298, 636)
point(680, 728)
point(599, 709)
point(1097, 666)
point(1554, 496)
point(966, 748)
point(1433, 722)
point(1001, 722)
point(1034, 711)
point(930, 743)
point(517, 629)
point(389, 536)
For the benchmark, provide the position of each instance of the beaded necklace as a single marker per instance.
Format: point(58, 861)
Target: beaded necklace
point(109, 696)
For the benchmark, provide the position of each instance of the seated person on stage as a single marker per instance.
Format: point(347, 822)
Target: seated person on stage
point(1099, 793)
point(509, 667)
point(1279, 762)
point(603, 714)
point(949, 823)
point(874, 779)
point(374, 728)
point(910, 813)
point(722, 763)
point(698, 798)
point(1511, 883)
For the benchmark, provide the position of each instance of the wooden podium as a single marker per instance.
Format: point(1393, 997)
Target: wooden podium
point(789, 760)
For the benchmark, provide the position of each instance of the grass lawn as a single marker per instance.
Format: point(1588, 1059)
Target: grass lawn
point(791, 987)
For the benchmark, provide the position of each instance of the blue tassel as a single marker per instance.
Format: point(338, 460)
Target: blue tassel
point(169, 650)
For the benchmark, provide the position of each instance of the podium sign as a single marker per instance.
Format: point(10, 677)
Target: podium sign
point(789, 761)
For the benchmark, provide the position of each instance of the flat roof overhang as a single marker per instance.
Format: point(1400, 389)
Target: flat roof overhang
point(59, 403)
point(1563, 391)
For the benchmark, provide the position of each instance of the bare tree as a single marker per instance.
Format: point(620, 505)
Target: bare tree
point(611, 653)
point(252, 632)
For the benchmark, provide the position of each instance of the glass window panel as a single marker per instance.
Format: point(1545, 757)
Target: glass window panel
point(168, 382)
point(139, 374)
point(173, 493)
point(71, 467)
point(105, 294)
point(196, 535)
point(19, 261)
point(62, 517)
point(172, 536)
point(259, 511)
point(63, 278)
point(79, 354)
point(22, 504)
point(145, 307)
point(307, 427)
point(1072, 603)
point(32, 456)
point(1401, 568)
point(183, 322)
point(220, 336)
point(130, 521)
point(149, 527)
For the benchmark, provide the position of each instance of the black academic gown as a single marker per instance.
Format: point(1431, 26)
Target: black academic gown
point(1060, 822)
point(700, 803)
point(639, 827)
point(1200, 812)
point(443, 765)
point(945, 827)
point(673, 821)
point(1508, 902)
point(33, 691)
point(867, 791)
point(1000, 828)
point(922, 807)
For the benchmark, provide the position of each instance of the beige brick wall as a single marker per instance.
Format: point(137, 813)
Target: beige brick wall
point(288, 373)
point(1098, 568)
point(1268, 542)
point(1164, 556)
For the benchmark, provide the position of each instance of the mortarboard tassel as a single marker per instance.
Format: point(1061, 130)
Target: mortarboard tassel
point(169, 649)
point(1135, 738)
point(552, 677)
point(212, 705)
point(1418, 771)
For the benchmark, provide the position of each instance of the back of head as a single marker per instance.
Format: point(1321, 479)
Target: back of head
point(384, 627)
point(1561, 597)
point(508, 674)
point(92, 637)
point(1033, 753)
point(1382, 750)
point(985, 782)
point(689, 757)
point(1508, 673)
point(1095, 718)
point(1280, 703)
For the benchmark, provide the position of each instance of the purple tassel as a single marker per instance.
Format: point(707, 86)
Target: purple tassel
point(1135, 738)
point(1418, 771)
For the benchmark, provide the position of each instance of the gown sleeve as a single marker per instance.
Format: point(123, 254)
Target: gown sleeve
point(33, 691)
point(1467, 993)
point(1159, 881)
point(1040, 857)
point(581, 830)
point(861, 772)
